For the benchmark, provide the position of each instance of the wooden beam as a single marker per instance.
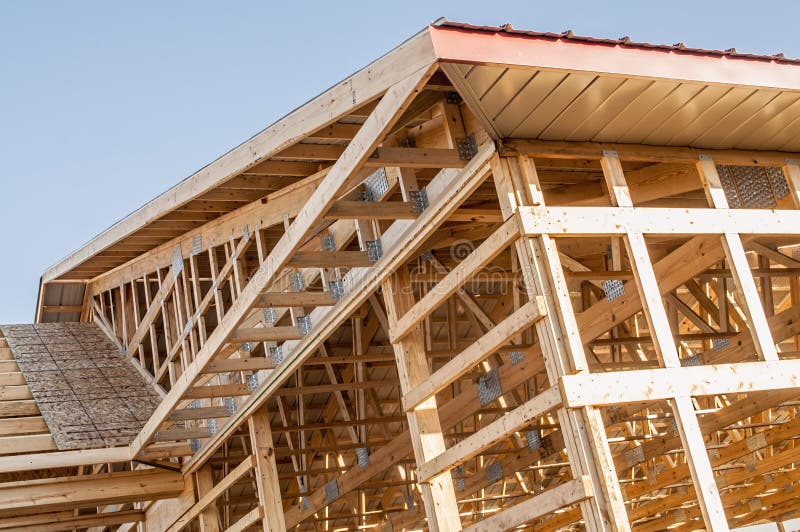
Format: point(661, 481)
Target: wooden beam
point(63, 493)
point(60, 521)
point(663, 383)
point(265, 334)
point(423, 424)
point(445, 193)
point(54, 309)
point(602, 221)
point(294, 299)
point(269, 489)
point(639, 152)
point(551, 500)
point(487, 251)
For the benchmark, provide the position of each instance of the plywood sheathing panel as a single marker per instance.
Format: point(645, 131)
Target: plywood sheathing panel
point(89, 394)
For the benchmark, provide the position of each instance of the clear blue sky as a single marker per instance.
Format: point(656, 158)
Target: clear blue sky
point(104, 105)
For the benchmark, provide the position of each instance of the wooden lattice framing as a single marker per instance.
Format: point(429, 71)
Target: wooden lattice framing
point(380, 315)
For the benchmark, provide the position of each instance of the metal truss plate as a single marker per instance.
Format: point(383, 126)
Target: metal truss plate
point(467, 147)
point(197, 244)
point(177, 262)
point(376, 185)
point(533, 438)
point(337, 289)
point(332, 490)
point(613, 289)
point(752, 187)
point(374, 250)
point(297, 281)
point(276, 354)
point(362, 453)
point(516, 357)
point(494, 472)
point(489, 387)
point(304, 325)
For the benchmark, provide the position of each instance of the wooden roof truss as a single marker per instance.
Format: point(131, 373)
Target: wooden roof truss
point(423, 326)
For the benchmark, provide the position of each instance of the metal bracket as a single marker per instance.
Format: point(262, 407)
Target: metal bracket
point(328, 243)
point(453, 97)
point(419, 200)
point(297, 281)
point(332, 490)
point(515, 357)
point(230, 405)
point(694, 360)
point(489, 387)
point(276, 354)
point(177, 262)
point(613, 288)
point(460, 482)
point(270, 315)
point(304, 325)
point(374, 250)
point(533, 439)
point(634, 456)
point(494, 472)
point(362, 453)
point(337, 289)
point(252, 382)
point(467, 147)
point(718, 344)
point(197, 244)
point(375, 185)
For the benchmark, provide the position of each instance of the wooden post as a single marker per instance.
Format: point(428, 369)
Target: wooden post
point(424, 425)
point(269, 490)
point(584, 433)
point(209, 517)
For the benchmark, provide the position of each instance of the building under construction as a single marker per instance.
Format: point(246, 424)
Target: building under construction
point(496, 280)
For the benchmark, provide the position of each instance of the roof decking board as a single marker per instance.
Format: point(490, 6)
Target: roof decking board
point(89, 395)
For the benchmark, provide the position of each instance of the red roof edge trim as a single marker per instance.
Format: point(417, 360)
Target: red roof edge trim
point(625, 42)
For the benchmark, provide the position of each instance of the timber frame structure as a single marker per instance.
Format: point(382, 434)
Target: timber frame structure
point(495, 280)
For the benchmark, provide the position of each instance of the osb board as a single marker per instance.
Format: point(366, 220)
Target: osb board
point(89, 394)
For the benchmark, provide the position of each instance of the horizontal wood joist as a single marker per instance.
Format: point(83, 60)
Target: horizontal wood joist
point(65, 493)
point(659, 384)
point(641, 152)
point(67, 520)
point(381, 157)
point(599, 221)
